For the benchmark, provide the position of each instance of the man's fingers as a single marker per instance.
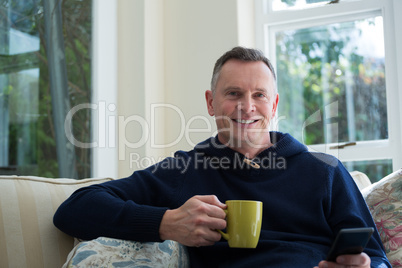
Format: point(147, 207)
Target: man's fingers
point(356, 259)
point(195, 222)
point(212, 207)
point(210, 216)
point(210, 199)
point(204, 237)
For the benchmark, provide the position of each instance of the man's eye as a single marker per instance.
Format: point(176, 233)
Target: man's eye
point(260, 95)
point(232, 93)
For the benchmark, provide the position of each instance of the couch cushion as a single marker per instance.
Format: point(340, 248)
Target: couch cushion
point(28, 237)
point(113, 253)
point(384, 199)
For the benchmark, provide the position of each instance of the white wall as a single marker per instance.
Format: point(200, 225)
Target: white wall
point(196, 34)
point(166, 53)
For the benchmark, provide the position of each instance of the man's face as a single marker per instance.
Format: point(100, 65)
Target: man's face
point(243, 104)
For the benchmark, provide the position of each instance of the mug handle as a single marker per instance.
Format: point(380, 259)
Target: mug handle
point(224, 235)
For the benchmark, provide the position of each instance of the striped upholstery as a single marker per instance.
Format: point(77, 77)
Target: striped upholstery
point(28, 237)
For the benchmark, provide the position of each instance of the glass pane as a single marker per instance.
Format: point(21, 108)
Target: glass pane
point(20, 112)
point(27, 128)
point(277, 5)
point(374, 169)
point(331, 82)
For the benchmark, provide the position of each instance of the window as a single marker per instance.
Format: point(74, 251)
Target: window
point(336, 83)
point(45, 69)
point(277, 5)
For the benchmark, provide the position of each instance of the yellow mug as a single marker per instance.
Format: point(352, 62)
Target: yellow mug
point(244, 219)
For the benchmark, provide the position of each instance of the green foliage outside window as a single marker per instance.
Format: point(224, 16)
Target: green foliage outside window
point(31, 133)
point(320, 66)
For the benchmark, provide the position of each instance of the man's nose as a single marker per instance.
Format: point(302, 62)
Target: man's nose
point(246, 104)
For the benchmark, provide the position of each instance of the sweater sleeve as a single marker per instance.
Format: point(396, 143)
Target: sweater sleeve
point(348, 209)
point(130, 208)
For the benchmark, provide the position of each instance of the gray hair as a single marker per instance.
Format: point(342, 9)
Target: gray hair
point(240, 53)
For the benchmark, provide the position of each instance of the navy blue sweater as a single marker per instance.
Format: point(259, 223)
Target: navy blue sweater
point(308, 197)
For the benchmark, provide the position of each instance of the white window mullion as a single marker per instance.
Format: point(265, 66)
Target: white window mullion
point(364, 150)
point(104, 96)
point(349, 10)
point(391, 16)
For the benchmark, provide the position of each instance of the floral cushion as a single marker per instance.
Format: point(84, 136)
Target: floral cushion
point(384, 199)
point(108, 252)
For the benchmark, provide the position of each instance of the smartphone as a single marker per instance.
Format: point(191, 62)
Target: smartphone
point(350, 241)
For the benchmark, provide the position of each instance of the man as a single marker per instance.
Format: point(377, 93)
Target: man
point(308, 197)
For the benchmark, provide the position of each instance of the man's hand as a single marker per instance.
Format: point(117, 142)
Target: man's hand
point(361, 260)
point(195, 222)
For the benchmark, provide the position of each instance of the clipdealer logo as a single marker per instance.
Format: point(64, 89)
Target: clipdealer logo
point(199, 161)
point(109, 124)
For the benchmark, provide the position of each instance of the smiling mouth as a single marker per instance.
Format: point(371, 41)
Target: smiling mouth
point(243, 121)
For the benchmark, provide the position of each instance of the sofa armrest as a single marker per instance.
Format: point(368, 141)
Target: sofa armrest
point(360, 179)
point(28, 237)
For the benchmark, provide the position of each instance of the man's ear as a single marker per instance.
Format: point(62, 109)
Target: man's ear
point(275, 105)
point(209, 98)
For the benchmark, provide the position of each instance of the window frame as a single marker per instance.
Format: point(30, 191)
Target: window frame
point(104, 88)
point(271, 22)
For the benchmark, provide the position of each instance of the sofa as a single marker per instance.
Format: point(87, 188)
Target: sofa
point(28, 237)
